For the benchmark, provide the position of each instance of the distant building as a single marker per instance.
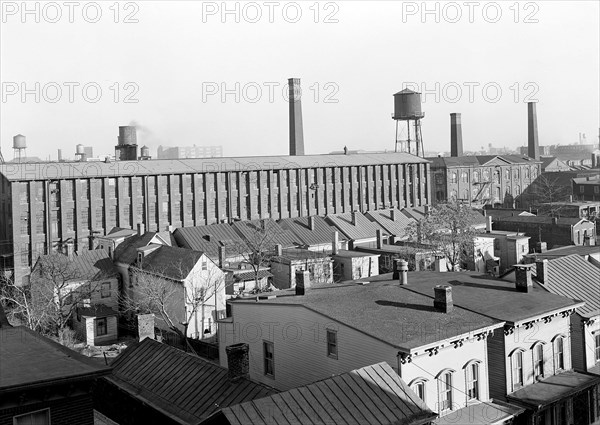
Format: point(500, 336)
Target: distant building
point(587, 210)
point(553, 164)
point(353, 265)
point(189, 152)
point(43, 382)
point(285, 265)
point(587, 188)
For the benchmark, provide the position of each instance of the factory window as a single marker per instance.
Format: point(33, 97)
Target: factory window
point(475, 176)
point(507, 174)
point(516, 174)
point(464, 177)
point(453, 177)
point(526, 173)
point(497, 176)
point(486, 175)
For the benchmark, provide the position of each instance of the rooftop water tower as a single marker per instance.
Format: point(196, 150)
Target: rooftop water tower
point(19, 147)
point(126, 149)
point(407, 108)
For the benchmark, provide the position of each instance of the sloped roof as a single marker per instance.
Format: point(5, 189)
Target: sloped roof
point(96, 310)
point(363, 229)
point(126, 252)
point(594, 180)
point(371, 395)
point(476, 160)
point(563, 251)
point(299, 226)
point(275, 234)
point(378, 308)
point(187, 387)
point(208, 237)
point(74, 170)
point(568, 221)
point(394, 223)
point(172, 262)
point(119, 232)
point(95, 264)
point(575, 277)
point(30, 359)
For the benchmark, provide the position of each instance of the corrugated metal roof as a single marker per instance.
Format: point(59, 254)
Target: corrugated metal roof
point(66, 170)
point(363, 229)
point(274, 234)
point(575, 277)
point(394, 223)
point(185, 386)
point(197, 237)
point(371, 395)
point(322, 233)
point(87, 265)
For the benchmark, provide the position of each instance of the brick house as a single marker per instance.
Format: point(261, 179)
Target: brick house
point(43, 382)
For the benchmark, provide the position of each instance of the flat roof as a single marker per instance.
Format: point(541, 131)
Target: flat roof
point(29, 359)
point(384, 310)
point(73, 170)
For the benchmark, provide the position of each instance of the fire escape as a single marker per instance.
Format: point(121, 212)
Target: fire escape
point(479, 197)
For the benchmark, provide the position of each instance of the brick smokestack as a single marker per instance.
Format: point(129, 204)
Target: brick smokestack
point(456, 144)
point(533, 149)
point(296, 132)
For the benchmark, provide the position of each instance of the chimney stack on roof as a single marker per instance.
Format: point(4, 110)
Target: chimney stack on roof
point(296, 131)
point(311, 222)
point(393, 214)
point(238, 361)
point(523, 274)
point(541, 270)
point(488, 224)
point(354, 218)
point(302, 282)
point(279, 250)
point(140, 229)
point(443, 298)
point(456, 143)
point(379, 237)
point(533, 149)
point(221, 256)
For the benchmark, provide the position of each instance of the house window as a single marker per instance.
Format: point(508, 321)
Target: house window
point(418, 386)
point(559, 357)
point(517, 369)
point(445, 390)
point(105, 290)
point(101, 327)
point(596, 189)
point(581, 189)
point(332, 347)
point(268, 358)
point(597, 338)
point(204, 265)
point(538, 361)
point(472, 380)
point(41, 417)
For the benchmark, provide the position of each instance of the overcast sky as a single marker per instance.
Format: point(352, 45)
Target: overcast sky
point(165, 64)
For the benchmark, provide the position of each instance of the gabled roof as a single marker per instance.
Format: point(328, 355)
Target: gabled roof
point(372, 394)
point(393, 222)
point(126, 252)
point(207, 238)
point(363, 229)
point(30, 360)
point(275, 234)
point(119, 232)
point(575, 277)
point(477, 160)
point(171, 262)
point(95, 264)
point(185, 386)
point(299, 226)
point(593, 180)
point(376, 309)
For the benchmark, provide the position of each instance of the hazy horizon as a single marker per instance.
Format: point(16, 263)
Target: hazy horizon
point(167, 72)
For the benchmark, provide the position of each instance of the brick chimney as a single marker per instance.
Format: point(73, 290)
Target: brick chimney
point(443, 298)
point(533, 149)
point(354, 218)
point(335, 242)
point(279, 250)
point(238, 361)
point(379, 237)
point(403, 272)
point(302, 282)
point(311, 222)
point(140, 229)
point(296, 131)
point(393, 214)
point(541, 270)
point(456, 144)
point(523, 273)
point(222, 256)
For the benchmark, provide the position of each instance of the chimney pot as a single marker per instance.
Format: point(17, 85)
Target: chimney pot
point(403, 272)
point(354, 218)
point(238, 362)
point(523, 275)
point(302, 282)
point(221, 256)
point(541, 247)
point(443, 298)
point(393, 214)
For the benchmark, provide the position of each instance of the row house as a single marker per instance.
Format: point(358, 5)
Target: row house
point(481, 180)
point(296, 337)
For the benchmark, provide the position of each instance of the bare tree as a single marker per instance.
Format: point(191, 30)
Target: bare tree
point(548, 190)
point(448, 231)
point(49, 302)
point(173, 301)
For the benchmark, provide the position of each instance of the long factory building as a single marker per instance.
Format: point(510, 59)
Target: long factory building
point(45, 205)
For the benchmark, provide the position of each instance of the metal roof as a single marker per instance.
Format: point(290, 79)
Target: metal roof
point(199, 237)
point(187, 387)
point(566, 221)
point(394, 223)
point(363, 229)
point(171, 262)
point(67, 170)
point(575, 277)
point(273, 233)
point(371, 395)
point(479, 160)
point(321, 234)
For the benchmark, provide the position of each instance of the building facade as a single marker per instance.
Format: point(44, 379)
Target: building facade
point(44, 204)
point(481, 180)
point(178, 152)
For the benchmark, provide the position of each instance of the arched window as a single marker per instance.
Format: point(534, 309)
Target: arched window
point(558, 345)
point(538, 360)
point(517, 375)
point(418, 386)
point(486, 175)
point(516, 174)
point(472, 379)
point(507, 174)
point(445, 390)
point(475, 176)
point(453, 177)
point(464, 176)
point(526, 173)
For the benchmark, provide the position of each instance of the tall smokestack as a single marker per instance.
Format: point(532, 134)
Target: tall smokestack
point(532, 132)
point(456, 145)
point(296, 132)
